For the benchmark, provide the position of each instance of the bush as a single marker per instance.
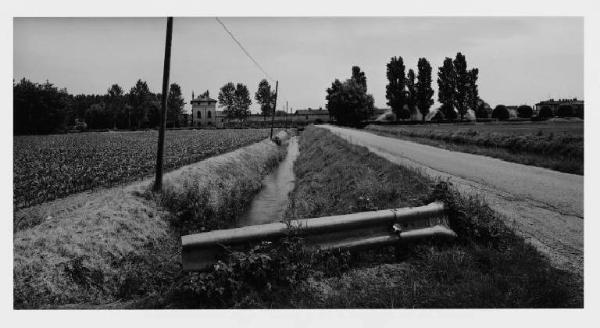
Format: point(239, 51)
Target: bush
point(545, 112)
point(501, 113)
point(524, 111)
point(565, 111)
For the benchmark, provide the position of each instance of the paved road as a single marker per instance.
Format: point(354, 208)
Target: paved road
point(544, 206)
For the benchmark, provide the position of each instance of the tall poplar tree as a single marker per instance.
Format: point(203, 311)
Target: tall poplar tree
point(446, 85)
point(424, 92)
point(394, 90)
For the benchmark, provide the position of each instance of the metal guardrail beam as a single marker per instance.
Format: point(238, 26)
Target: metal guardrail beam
point(357, 230)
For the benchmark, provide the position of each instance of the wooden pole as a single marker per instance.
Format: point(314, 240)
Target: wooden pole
point(163, 109)
point(274, 107)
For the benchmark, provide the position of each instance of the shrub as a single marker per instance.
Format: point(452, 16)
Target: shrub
point(545, 112)
point(565, 111)
point(524, 111)
point(501, 113)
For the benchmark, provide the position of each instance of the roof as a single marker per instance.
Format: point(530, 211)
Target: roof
point(202, 99)
point(311, 112)
point(560, 101)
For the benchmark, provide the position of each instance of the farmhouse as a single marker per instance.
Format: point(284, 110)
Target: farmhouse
point(204, 111)
point(312, 115)
point(575, 104)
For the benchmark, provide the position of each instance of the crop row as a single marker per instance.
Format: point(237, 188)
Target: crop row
point(50, 167)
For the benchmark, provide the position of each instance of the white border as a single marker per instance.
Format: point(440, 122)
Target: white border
point(303, 318)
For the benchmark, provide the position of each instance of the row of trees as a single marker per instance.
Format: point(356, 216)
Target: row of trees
point(43, 108)
point(405, 94)
point(235, 99)
point(457, 87)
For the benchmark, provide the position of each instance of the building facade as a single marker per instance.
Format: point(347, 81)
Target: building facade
point(575, 104)
point(204, 112)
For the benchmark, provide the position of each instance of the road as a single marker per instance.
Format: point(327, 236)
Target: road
point(543, 206)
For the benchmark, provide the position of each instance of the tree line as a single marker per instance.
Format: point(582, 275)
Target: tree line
point(235, 100)
point(44, 108)
point(409, 93)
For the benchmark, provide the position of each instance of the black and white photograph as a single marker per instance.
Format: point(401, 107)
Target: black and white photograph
point(233, 161)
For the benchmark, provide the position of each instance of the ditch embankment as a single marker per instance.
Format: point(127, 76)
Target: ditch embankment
point(112, 247)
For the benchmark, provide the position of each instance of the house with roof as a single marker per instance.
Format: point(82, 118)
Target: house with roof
point(575, 104)
point(204, 112)
point(312, 115)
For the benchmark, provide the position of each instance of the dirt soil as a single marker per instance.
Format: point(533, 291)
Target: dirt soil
point(544, 206)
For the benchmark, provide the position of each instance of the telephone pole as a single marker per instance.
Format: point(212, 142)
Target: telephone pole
point(163, 109)
point(274, 107)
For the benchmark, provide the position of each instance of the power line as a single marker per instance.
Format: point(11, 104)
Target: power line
point(244, 49)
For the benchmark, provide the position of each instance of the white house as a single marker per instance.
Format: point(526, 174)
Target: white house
point(204, 111)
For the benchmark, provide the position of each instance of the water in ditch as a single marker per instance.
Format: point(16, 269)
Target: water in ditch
point(270, 204)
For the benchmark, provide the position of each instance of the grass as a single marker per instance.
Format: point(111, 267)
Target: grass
point(121, 248)
point(557, 146)
point(487, 266)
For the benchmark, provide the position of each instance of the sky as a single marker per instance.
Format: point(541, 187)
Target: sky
point(521, 60)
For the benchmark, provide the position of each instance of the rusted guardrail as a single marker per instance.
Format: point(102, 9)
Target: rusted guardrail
point(351, 231)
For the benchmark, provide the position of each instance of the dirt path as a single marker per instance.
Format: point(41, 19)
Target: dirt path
point(544, 206)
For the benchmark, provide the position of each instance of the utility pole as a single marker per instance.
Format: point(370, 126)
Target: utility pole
point(286, 114)
point(163, 109)
point(274, 107)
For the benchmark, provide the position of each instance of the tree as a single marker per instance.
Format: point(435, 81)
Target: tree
point(236, 100)
point(565, 111)
point(115, 103)
point(265, 97)
point(39, 108)
point(359, 77)
point(483, 109)
point(411, 92)
point(140, 99)
point(227, 99)
point(348, 102)
point(524, 111)
point(501, 113)
point(394, 90)
point(242, 101)
point(462, 85)
point(472, 90)
point(175, 104)
point(424, 97)
point(446, 85)
point(545, 112)
point(98, 116)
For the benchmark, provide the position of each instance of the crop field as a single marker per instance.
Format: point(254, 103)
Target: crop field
point(553, 144)
point(54, 166)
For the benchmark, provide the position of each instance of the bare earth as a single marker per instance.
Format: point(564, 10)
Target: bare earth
point(544, 206)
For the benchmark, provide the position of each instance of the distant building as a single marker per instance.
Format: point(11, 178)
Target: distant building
point(204, 111)
point(312, 115)
point(576, 105)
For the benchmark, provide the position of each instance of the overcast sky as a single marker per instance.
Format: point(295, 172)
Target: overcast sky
point(520, 60)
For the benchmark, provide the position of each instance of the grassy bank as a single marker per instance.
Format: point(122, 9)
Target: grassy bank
point(545, 146)
point(119, 245)
point(486, 266)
